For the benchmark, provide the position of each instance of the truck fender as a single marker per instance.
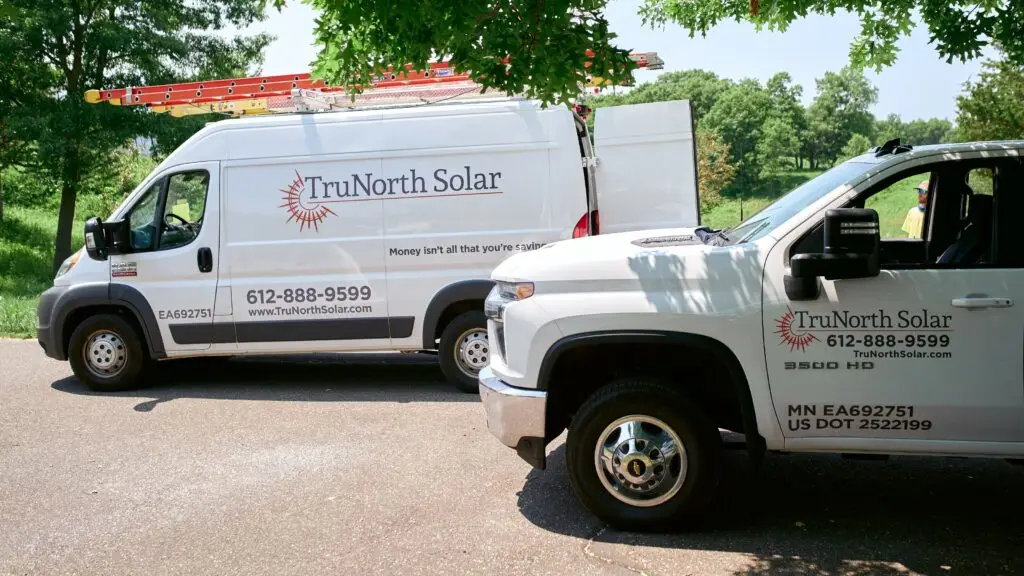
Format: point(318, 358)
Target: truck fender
point(711, 346)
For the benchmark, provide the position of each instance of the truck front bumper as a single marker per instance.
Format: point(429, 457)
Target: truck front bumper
point(515, 416)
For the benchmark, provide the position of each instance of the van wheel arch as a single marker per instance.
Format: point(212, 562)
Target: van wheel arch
point(577, 366)
point(77, 304)
point(449, 302)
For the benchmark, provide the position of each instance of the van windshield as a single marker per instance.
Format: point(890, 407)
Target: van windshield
point(775, 214)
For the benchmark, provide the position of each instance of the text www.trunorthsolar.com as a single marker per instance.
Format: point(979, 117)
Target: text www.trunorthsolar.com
point(309, 310)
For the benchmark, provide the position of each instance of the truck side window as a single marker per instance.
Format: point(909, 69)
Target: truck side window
point(184, 208)
point(902, 207)
point(142, 220)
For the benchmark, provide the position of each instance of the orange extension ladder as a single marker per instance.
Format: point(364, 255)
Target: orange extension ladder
point(303, 93)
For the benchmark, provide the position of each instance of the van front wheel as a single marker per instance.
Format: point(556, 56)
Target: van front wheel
point(464, 350)
point(106, 353)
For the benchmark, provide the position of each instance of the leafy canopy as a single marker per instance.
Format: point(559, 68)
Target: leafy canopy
point(67, 47)
point(545, 43)
point(960, 29)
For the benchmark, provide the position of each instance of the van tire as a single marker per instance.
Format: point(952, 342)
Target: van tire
point(113, 341)
point(598, 416)
point(467, 325)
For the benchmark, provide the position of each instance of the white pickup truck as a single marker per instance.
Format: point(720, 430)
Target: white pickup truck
point(876, 309)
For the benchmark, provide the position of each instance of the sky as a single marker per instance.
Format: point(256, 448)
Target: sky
point(919, 85)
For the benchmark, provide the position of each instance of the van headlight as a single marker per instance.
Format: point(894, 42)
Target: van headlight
point(68, 263)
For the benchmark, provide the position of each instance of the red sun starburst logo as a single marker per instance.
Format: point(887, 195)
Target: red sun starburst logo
point(306, 214)
point(795, 338)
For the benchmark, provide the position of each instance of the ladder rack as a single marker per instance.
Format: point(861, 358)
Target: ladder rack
point(302, 93)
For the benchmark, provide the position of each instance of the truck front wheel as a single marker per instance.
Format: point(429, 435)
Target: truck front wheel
point(642, 457)
point(106, 353)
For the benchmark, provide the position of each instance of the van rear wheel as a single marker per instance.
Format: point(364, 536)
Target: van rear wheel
point(106, 353)
point(465, 350)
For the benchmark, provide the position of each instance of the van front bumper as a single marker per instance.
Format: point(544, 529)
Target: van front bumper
point(515, 416)
point(46, 334)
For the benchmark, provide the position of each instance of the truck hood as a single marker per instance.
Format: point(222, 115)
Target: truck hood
point(628, 260)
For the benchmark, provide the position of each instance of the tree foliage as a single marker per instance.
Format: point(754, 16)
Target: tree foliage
point(73, 46)
point(840, 110)
point(715, 171)
point(511, 46)
point(959, 29)
point(993, 107)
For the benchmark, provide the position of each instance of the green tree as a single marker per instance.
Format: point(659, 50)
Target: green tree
point(108, 43)
point(790, 116)
point(840, 110)
point(857, 145)
point(546, 41)
point(512, 46)
point(715, 171)
point(992, 108)
point(739, 115)
point(959, 30)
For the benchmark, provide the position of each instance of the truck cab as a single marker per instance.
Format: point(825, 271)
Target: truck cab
point(875, 309)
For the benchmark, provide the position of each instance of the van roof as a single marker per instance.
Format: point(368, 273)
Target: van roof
point(433, 109)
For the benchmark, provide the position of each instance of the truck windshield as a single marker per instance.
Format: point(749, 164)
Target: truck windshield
point(776, 213)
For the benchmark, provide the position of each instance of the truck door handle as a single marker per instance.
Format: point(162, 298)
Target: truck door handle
point(205, 259)
point(981, 302)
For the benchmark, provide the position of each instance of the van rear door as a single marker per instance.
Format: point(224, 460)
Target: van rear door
point(646, 175)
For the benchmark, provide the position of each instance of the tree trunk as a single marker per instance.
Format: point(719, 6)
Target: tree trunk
point(66, 215)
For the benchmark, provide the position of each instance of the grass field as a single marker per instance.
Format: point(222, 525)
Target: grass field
point(27, 236)
point(26, 253)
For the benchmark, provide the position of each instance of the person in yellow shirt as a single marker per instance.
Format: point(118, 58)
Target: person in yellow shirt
point(915, 217)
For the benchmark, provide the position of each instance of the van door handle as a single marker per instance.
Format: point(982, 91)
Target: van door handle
point(981, 302)
point(205, 259)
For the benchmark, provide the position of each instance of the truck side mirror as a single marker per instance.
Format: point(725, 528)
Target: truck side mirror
point(852, 242)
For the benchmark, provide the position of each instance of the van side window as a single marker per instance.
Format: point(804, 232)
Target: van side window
point(142, 220)
point(184, 208)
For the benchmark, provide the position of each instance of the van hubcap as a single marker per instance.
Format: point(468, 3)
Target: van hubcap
point(472, 351)
point(640, 460)
point(105, 354)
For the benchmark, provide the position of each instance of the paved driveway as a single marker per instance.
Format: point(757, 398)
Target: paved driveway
point(373, 465)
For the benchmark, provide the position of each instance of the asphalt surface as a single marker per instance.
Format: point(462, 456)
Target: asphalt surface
point(373, 465)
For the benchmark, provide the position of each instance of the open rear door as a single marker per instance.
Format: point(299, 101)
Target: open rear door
point(647, 167)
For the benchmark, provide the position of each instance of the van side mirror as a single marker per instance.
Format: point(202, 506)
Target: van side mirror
point(95, 239)
point(852, 242)
point(105, 238)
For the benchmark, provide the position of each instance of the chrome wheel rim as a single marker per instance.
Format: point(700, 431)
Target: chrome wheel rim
point(640, 460)
point(105, 354)
point(471, 353)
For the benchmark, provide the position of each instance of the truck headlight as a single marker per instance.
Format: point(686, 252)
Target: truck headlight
point(515, 290)
point(68, 264)
point(504, 293)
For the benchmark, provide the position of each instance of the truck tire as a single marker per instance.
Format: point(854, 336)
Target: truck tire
point(642, 457)
point(107, 353)
point(464, 350)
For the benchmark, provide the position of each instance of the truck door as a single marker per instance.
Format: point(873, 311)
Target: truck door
point(930, 349)
point(646, 174)
point(175, 230)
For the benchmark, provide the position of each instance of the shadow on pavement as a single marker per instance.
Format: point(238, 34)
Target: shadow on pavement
point(308, 378)
point(821, 514)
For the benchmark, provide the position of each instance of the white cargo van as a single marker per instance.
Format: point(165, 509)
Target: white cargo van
point(357, 230)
